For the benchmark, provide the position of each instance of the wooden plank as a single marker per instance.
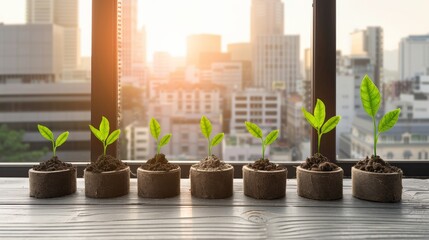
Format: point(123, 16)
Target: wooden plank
point(130, 217)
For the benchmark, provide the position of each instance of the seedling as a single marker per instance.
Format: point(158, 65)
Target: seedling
point(206, 130)
point(371, 99)
point(317, 121)
point(48, 135)
point(155, 131)
point(256, 131)
point(103, 133)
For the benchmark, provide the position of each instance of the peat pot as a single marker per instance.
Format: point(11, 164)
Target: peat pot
point(107, 184)
point(158, 184)
point(211, 184)
point(49, 184)
point(264, 184)
point(320, 185)
point(377, 187)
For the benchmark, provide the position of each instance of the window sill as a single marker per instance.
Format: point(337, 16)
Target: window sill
point(126, 217)
point(411, 168)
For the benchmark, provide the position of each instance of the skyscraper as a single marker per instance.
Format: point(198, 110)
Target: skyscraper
point(267, 18)
point(275, 57)
point(133, 46)
point(202, 43)
point(414, 56)
point(369, 43)
point(65, 14)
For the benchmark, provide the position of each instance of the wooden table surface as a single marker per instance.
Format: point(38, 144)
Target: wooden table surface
point(131, 217)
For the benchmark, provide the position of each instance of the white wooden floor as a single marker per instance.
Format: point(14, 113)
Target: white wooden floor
point(129, 217)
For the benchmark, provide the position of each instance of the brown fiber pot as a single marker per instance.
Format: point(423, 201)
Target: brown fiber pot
point(377, 187)
point(49, 184)
point(107, 184)
point(211, 184)
point(320, 185)
point(158, 184)
point(264, 184)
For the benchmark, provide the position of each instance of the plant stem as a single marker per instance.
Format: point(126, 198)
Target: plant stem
point(319, 137)
point(158, 148)
point(209, 147)
point(105, 148)
point(54, 150)
point(375, 137)
point(263, 149)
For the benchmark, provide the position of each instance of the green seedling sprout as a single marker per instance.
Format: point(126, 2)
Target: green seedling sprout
point(317, 121)
point(155, 131)
point(102, 133)
point(371, 99)
point(256, 131)
point(206, 130)
point(48, 135)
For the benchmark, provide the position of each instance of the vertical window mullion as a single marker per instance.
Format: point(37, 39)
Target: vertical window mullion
point(104, 70)
point(324, 68)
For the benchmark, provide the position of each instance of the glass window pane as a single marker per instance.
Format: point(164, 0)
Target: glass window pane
point(232, 61)
point(45, 74)
point(394, 51)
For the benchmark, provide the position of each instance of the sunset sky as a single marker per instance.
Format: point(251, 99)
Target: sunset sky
point(169, 22)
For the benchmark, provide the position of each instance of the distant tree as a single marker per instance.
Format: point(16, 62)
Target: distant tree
point(13, 149)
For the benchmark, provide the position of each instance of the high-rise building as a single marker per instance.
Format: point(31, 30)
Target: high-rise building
point(259, 106)
point(369, 43)
point(60, 106)
point(162, 65)
point(276, 62)
point(267, 18)
point(413, 56)
point(31, 53)
point(133, 45)
point(240, 51)
point(202, 43)
point(65, 14)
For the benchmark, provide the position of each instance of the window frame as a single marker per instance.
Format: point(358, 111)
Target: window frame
point(105, 80)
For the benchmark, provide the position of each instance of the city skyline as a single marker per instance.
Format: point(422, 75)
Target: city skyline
point(214, 17)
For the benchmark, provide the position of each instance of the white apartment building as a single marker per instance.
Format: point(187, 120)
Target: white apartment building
point(178, 107)
point(64, 13)
point(137, 138)
point(31, 53)
point(267, 18)
point(345, 91)
point(59, 106)
point(296, 130)
point(162, 65)
point(276, 63)
point(413, 56)
point(259, 106)
point(228, 74)
point(242, 148)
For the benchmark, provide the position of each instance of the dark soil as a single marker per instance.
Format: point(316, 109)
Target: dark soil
point(211, 163)
point(377, 165)
point(106, 163)
point(53, 164)
point(159, 163)
point(264, 165)
point(318, 162)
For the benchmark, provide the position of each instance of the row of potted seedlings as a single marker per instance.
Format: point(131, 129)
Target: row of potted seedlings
point(318, 178)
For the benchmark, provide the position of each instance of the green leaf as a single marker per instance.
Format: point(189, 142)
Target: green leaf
point(113, 137)
point(46, 132)
point(310, 118)
point(62, 138)
point(370, 96)
point(254, 129)
point(271, 137)
point(217, 139)
point(104, 128)
point(388, 120)
point(155, 128)
point(206, 127)
point(319, 112)
point(164, 140)
point(96, 133)
point(330, 124)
